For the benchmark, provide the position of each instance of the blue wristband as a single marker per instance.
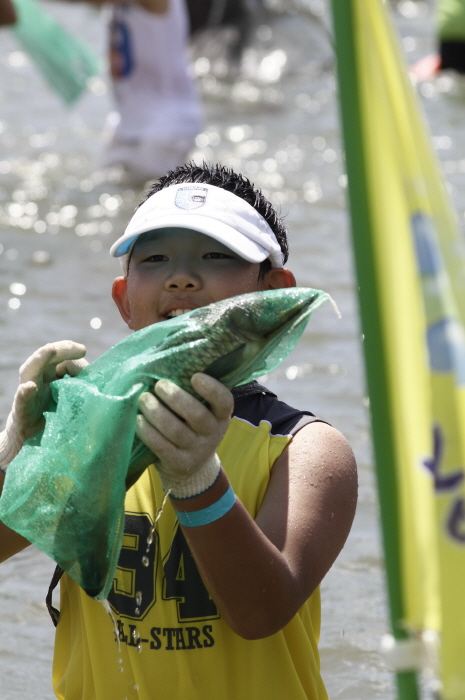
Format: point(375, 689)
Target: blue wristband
point(211, 513)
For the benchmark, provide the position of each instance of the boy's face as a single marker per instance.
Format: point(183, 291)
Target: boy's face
point(176, 270)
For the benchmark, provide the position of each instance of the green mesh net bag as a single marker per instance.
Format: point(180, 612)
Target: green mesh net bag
point(65, 61)
point(65, 490)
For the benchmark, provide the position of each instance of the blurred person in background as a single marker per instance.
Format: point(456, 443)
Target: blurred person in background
point(451, 34)
point(157, 112)
point(450, 54)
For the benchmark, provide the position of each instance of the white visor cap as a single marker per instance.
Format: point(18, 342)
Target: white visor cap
point(207, 209)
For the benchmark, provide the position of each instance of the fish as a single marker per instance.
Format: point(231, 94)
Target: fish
point(65, 490)
point(229, 341)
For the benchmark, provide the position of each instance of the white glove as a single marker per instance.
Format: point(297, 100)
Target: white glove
point(50, 362)
point(183, 433)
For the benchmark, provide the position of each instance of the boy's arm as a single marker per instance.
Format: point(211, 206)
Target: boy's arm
point(259, 573)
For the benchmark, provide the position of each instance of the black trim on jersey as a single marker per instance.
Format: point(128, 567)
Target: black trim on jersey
point(255, 403)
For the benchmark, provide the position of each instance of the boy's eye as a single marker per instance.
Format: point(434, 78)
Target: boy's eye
point(156, 258)
point(217, 256)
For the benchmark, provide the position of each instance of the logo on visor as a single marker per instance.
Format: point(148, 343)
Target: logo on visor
point(191, 197)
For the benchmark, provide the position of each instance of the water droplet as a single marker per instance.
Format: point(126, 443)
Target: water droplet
point(145, 561)
point(96, 323)
point(18, 288)
point(139, 648)
point(138, 598)
point(121, 669)
point(41, 257)
point(108, 609)
point(137, 611)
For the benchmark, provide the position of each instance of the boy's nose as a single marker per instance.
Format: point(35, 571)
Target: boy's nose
point(182, 279)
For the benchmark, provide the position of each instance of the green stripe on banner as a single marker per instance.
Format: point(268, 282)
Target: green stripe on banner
point(370, 311)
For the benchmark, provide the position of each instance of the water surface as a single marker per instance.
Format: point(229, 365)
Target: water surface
point(59, 213)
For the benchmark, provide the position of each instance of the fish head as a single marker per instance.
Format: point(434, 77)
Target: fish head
point(260, 316)
point(256, 323)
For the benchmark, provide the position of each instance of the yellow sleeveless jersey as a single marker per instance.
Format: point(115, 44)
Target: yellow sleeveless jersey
point(171, 643)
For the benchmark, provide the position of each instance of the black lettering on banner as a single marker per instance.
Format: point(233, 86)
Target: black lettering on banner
point(132, 576)
point(448, 484)
point(456, 521)
point(183, 583)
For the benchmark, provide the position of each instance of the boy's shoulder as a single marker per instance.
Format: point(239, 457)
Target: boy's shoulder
point(255, 403)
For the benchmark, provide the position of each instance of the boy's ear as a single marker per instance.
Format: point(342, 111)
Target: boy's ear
point(278, 278)
point(119, 292)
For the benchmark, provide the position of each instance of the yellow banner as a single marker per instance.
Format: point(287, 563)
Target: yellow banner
point(419, 258)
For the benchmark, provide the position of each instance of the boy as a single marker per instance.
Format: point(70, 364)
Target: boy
point(223, 600)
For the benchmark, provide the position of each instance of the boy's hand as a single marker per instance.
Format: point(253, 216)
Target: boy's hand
point(184, 434)
point(50, 362)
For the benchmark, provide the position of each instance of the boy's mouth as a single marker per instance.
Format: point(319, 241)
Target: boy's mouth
point(177, 312)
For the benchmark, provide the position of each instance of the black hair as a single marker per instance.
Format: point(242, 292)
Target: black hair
point(227, 179)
